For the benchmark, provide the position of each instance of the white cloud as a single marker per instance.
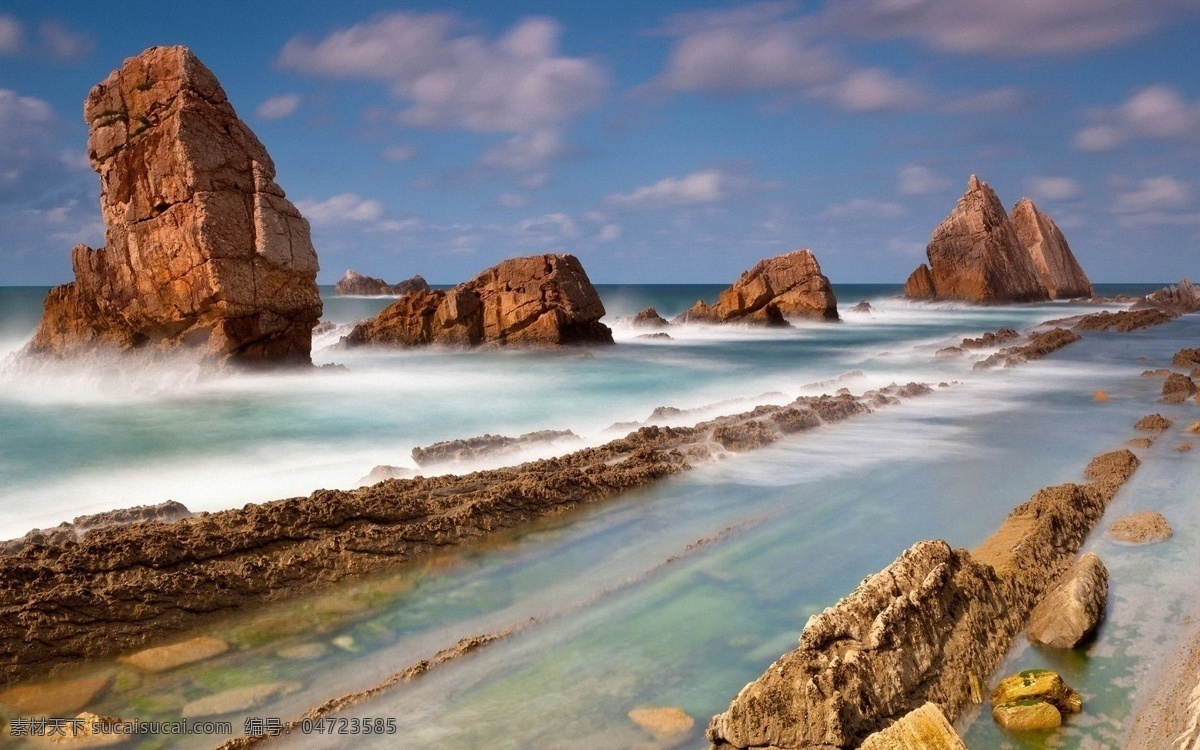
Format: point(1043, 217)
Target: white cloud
point(996, 100)
point(31, 161)
point(401, 153)
point(526, 152)
point(12, 35)
point(1053, 188)
point(609, 233)
point(1154, 194)
point(549, 229)
point(1157, 111)
point(863, 208)
point(765, 48)
point(278, 107)
point(1013, 28)
point(699, 188)
point(517, 83)
point(916, 179)
point(344, 208)
point(62, 43)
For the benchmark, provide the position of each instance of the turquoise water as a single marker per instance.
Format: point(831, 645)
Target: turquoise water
point(613, 609)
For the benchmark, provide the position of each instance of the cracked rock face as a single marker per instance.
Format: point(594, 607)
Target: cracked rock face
point(1056, 266)
point(203, 249)
point(789, 285)
point(540, 300)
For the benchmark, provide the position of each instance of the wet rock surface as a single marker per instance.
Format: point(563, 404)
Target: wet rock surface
point(163, 658)
point(1143, 527)
point(203, 250)
point(923, 728)
point(540, 300)
point(775, 289)
point(1039, 344)
point(920, 629)
point(1072, 609)
point(1124, 321)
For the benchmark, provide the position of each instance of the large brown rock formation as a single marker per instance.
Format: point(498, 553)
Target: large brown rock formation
point(540, 300)
point(789, 285)
point(981, 254)
point(203, 250)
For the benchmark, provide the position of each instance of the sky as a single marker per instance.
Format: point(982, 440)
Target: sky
point(670, 142)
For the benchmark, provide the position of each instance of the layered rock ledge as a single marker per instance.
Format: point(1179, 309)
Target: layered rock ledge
point(789, 285)
point(540, 300)
point(924, 629)
point(203, 250)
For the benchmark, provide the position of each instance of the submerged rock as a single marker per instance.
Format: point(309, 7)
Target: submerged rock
point(1073, 608)
point(660, 336)
point(354, 283)
point(540, 300)
point(204, 252)
point(163, 658)
point(238, 700)
point(789, 285)
point(486, 445)
point(56, 698)
point(1059, 271)
point(666, 723)
point(975, 255)
point(923, 728)
point(1143, 527)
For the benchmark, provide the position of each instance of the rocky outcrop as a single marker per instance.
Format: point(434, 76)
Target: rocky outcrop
point(990, 339)
point(1189, 358)
point(976, 256)
point(74, 531)
point(920, 630)
point(1039, 345)
point(1179, 298)
point(487, 446)
point(540, 300)
point(1059, 271)
point(354, 283)
point(1125, 320)
point(649, 318)
point(203, 250)
point(1152, 423)
point(786, 286)
point(1177, 388)
point(1143, 527)
point(1073, 607)
point(979, 253)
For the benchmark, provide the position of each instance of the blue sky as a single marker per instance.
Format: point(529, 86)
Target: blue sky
point(673, 142)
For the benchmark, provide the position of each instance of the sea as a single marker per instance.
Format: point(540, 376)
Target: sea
point(676, 594)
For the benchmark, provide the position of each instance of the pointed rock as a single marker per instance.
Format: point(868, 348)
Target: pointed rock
point(1057, 267)
point(976, 256)
point(203, 249)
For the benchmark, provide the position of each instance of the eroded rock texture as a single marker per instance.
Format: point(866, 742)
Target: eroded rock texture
point(979, 253)
point(789, 285)
point(356, 284)
point(203, 250)
point(540, 300)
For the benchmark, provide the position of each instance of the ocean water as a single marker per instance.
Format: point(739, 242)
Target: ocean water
point(615, 606)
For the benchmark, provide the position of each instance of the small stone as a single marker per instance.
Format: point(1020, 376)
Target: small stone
point(1027, 715)
point(1194, 428)
point(666, 723)
point(1100, 396)
point(345, 643)
point(90, 732)
point(54, 698)
point(1037, 685)
point(1142, 442)
point(238, 699)
point(1183, 447)
point(162, 658)
point(1153, 423)
point(1144, 527)
point(303, 652)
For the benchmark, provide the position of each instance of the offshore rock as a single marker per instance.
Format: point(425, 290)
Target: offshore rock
point(1059, 271)
point(354, 283)
point(1178, 298)
point(1177, 388)
point(789, 285)
point(1073, 607)
point(649, 318)
point(203, 250)
point(540, 300)
point(1125, 320)
point(1143, 527)
point(975, 255)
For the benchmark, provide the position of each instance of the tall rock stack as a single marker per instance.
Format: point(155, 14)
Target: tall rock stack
point(1060, 273)
point(203, 249)
point(979, 253)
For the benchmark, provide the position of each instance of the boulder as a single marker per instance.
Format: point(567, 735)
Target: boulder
point(975, 255)
point(649, 318)
point(1073, 608)
point(203, 250)
point(789, 285)
point(923, 728)
point(1038, 685)
point(1177, 388)
point(1144, 527)
point(1060, 273)
point(354, 283)
point(1186, 358)
point(540, 300)
point(1027, 715)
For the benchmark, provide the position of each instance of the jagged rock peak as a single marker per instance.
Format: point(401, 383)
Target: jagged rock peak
point(203, 250)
